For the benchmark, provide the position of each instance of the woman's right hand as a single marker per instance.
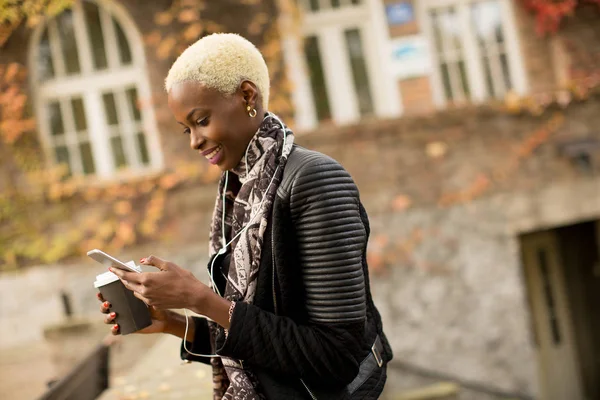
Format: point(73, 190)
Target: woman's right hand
point(159, 318)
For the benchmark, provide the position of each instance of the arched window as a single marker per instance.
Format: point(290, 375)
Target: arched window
point(92, 92)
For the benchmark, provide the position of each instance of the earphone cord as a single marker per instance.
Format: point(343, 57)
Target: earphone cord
point(223, 250)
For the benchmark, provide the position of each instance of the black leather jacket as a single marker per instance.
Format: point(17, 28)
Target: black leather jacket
point(313, 330)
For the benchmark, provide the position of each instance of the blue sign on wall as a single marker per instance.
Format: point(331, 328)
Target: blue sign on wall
point(399, 13)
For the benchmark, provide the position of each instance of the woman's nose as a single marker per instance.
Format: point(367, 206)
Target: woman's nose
point(196, 141)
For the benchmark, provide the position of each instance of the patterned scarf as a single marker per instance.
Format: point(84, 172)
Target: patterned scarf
point(259, 173)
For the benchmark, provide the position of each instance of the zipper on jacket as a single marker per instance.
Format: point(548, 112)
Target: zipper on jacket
point(273, 270)
point(308, 390)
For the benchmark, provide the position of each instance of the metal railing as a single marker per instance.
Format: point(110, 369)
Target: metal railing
point(86, 381)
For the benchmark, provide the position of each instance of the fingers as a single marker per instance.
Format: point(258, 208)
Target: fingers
point(100, 297)
point(142, 298)
point(134, 287)
point(110, 318)
point(105, 307)
point(127, 276)
point(115, 330)
point(155, 262)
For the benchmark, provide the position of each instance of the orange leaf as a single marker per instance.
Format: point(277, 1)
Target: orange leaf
point(188, 15)
point(401, 203)
point(192, 32)
point(126, 233)
point(153, 38)
point(105, 230)
point(11, 72)
point(166, 46)
point(122, 207)
point(169, 181)
point(163, 18)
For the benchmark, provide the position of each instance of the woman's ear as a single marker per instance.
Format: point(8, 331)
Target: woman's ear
point(250, 93)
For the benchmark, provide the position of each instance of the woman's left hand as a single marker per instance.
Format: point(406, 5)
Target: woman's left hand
point(171, 287)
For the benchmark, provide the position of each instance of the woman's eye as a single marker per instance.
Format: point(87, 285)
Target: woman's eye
point(186, 131)
point(202, 121)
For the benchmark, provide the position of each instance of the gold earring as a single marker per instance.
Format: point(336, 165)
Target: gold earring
point(251, 111)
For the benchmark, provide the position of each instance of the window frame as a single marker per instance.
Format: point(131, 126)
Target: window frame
point(115, 78)
point(472, 55)
point(329, 26)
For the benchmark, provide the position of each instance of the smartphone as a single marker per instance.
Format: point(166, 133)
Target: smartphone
point(109, 260)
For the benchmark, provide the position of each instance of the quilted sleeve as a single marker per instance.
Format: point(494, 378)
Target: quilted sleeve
point(331, 237)
point(324, 207)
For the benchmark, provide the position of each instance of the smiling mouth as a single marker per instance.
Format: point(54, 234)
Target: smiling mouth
point(213, 153)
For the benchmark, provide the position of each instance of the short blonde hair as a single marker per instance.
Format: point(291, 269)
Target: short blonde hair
point(221, 61)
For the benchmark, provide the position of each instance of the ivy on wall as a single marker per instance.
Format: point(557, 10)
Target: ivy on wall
point(46, 216)
point(550, 13)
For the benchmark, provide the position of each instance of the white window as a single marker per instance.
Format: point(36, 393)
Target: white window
point(92, 92)
point(342, 78)
point(474, 48)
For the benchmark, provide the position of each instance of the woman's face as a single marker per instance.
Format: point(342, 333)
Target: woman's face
point(218, 126)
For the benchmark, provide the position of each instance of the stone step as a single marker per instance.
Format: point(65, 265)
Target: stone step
point(437, 391)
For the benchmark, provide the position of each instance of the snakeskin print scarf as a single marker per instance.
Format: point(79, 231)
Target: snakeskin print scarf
point(259, 174)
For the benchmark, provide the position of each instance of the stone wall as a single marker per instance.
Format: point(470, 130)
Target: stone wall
point(447, 198)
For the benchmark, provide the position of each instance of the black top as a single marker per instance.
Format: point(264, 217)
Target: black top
point(313, 317)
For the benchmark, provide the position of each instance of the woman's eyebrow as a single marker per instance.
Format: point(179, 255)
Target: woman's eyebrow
point(192, 112)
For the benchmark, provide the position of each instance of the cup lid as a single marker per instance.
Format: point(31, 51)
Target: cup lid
point(105, 279)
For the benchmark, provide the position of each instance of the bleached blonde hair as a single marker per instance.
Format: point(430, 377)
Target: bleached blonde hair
point(221, 61)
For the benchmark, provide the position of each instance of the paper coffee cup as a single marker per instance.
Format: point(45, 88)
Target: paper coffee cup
point(132, 313)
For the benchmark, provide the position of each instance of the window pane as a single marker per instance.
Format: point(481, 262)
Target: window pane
point(92, 19)
point(464, 78)
point(79, 113)
point(64, 24)
point(141, 142)
point(359, 71)
point(505, 71)
point(45, 66)
point(133, 103)
point(124, 50)
point(435, 23)
point(355, 2)
point(118, 153)
point(335, 3)
point(446, 81)
point(446, 29)
point(314, 5)
point(486, 17)
point(62, 156)
point(317, 78)
point(56, 122)
point(489, 82)
point(110, 108)
point(87, 158)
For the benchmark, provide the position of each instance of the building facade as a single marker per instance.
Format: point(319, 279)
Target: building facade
point(474, 142)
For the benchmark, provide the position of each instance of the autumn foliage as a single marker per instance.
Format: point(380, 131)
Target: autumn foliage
point(550, 13)
point(46, 215)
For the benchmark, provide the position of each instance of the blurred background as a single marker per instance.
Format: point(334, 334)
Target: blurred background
point(472, 128)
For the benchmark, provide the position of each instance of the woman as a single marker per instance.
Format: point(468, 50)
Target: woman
point(291, 314)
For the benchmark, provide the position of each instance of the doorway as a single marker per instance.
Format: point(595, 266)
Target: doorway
point(562, 271)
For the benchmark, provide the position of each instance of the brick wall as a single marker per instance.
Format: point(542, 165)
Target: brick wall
point(549, 61)
point(536, 52)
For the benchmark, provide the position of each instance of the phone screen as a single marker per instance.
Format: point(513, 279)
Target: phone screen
point(109, 260)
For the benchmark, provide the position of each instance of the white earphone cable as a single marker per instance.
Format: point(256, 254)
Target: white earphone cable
point(226, 244)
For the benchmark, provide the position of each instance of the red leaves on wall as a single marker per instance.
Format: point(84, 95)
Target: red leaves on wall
point(550, 13)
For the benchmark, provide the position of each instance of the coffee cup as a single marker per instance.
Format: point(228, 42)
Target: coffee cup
point(132, 313)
